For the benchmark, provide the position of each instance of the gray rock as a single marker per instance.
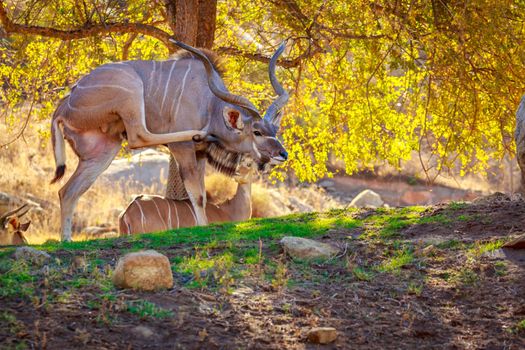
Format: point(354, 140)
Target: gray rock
point(367, 199)
point(142, 332)
point(144, 170)
point(303, 248)
point(300, 206)
point(32, 255)
point(327, 183)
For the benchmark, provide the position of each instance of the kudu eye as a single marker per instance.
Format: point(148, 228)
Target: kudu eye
point(257, 133)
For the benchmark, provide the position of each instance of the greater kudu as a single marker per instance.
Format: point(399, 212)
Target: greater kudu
point(11, 228)
point(148, 213)
point(169, 102)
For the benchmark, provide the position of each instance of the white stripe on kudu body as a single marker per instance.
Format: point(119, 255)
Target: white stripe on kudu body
point(104, 86)
point(110, 68)
point(180, 93)
point(167, 86)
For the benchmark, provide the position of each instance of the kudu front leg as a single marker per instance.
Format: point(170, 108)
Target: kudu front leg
point(192, 173)
point(139, 136)
point(146, 138)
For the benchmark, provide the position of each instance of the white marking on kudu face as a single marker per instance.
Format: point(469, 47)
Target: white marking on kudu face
point(257, 153)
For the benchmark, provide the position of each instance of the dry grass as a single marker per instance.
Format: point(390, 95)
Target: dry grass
point(27, 168)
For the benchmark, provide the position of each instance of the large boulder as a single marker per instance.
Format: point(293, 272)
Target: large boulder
point(145, 270)
point(303, 248)
point(147, 169)
point(367, 199)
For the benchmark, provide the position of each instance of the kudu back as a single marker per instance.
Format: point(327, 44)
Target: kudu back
point(148, 213)
point(182, 103)
point(12, 229)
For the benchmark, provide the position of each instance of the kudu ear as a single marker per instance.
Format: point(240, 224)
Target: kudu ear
point(233, 118)
point(24, 226)
point(13, 223)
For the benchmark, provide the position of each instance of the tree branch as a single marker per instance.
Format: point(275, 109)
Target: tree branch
point(286, 63)
point(89, 30)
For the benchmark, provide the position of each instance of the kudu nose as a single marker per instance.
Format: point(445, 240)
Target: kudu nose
point(284, 154)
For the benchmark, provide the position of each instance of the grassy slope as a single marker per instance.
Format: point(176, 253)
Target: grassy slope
point(239, 245)
point(220, 258)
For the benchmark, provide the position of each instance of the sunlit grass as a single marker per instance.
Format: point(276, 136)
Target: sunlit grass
point(399, 260)
point(480, 248)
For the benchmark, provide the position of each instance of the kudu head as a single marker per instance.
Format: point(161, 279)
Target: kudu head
point(237, 128)
point(11, 229)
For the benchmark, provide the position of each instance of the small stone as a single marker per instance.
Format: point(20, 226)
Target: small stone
point(142, 331)
point(304, 248)
point(367, 199)
point(242, 292)
point(32, 255)
point(146, 270)
point(428, 250)
point(322, 335)
point(327, 183)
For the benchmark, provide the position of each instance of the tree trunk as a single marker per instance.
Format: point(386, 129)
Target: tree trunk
point(194, 25)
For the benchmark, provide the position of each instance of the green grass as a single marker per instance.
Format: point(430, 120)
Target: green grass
point(16, 279)
point(457, 205)
point(362, 274)
point(145, 309)
point(388, 223)
point(396, 262)
point(217, 257)
point(480, 248)
point(302, 225)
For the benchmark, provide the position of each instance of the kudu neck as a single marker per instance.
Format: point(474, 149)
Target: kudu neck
point(240, 206)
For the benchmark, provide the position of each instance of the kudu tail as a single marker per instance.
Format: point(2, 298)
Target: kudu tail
point(57, 139)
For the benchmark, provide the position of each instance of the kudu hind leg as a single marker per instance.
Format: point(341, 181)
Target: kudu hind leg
point(86, 173)
point(192, 172)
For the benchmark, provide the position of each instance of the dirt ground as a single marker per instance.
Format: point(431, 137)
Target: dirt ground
point(455, 292)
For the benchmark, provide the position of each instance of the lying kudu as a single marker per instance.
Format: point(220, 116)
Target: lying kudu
point(169, 102)
point(154, 213)
point(11, 229)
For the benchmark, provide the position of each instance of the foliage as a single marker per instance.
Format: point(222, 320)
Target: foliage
point(144, 309)
point(371, 81)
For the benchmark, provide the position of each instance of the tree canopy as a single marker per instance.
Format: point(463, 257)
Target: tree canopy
point(371, 81)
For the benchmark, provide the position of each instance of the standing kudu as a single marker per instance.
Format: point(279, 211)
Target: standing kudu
point(148, 213)
point(169, 102)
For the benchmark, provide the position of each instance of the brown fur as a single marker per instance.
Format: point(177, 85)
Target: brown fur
point(154, 213)
point(215, 60)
